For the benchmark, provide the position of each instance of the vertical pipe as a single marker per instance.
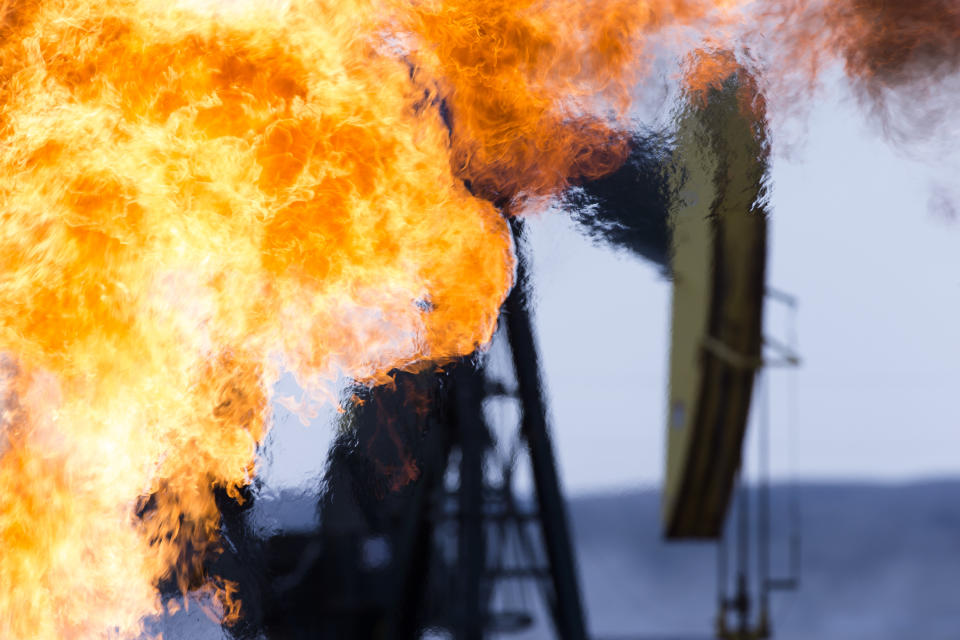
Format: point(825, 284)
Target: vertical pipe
point(567, 608)
point(795, 524)
point(763, 504)
point(722, 579)
point(743, 556)
point(471, 551)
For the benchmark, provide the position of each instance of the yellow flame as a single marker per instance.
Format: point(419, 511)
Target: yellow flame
point(194, 197)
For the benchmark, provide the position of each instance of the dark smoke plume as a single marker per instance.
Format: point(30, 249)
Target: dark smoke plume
point(901, 56)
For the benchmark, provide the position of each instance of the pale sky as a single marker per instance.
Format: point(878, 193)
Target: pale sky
point(877, 274)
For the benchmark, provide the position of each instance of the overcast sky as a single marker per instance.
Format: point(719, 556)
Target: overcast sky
point(877, 274)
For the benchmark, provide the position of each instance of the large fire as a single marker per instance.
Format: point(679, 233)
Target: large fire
point(196, 197)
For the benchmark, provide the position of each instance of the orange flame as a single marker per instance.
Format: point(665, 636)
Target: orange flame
point(196, 197)
point(538, 93)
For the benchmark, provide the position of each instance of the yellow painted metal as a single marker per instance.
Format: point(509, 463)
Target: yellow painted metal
point(718, 255)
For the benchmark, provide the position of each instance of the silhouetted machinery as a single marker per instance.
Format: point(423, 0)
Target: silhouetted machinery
point(422, 533)
point(711, 241)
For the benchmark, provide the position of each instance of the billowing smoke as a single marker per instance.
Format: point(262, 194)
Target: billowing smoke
point(902, 58)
